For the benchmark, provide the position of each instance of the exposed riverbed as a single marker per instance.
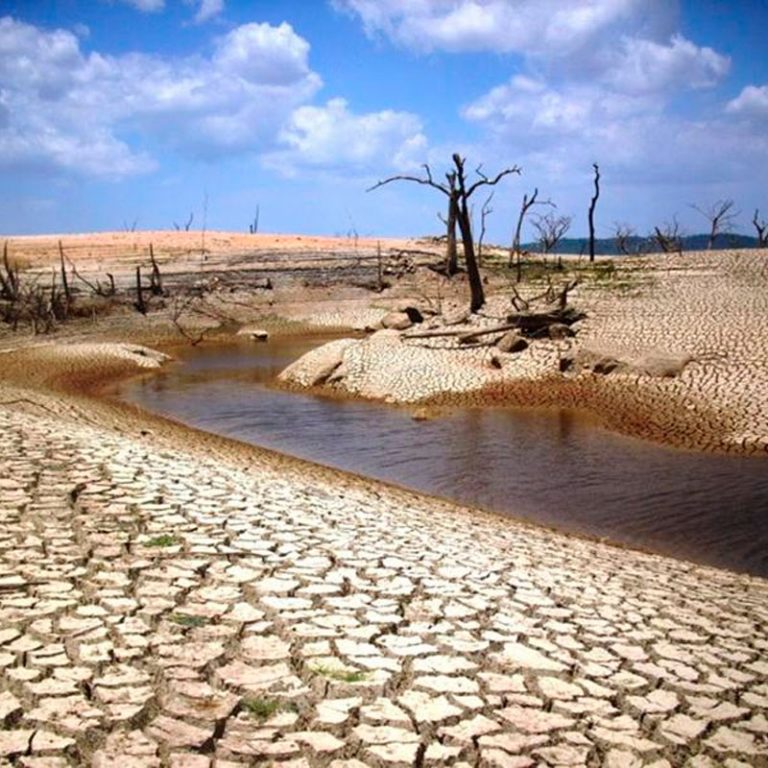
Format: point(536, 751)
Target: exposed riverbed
point(555, 468)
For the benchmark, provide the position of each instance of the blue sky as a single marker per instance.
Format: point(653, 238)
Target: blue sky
point(121, 111)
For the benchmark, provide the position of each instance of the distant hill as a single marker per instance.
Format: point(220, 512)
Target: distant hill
point(606, 246)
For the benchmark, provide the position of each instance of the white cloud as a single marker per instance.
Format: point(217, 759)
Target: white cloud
point(263, 54)
point(504, 26)
point(645, 66)
point(751, 102)
point(332, 136)
point(146, 6)
point(209, 9)
point(68, 110)
point(61, 109)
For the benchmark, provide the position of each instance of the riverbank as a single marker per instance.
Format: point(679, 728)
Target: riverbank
point(678, 345)
point(172, 598)
point(707, 312)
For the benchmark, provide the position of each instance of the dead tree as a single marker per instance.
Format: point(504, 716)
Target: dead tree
point(460, 192)
point(668, 237)
point(720, 216)
point(140, 305)
point(515, 252)
point(64, 281)
point(592, 205)
point(253, 228)
point(451, 252)
point(623, 234)
point(761, 225)
point(155, 279)
point(9, 278)
point(485, 212)
point(551, 230)
point(188, 223)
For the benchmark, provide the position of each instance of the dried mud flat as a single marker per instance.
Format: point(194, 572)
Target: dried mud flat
point(168, 598)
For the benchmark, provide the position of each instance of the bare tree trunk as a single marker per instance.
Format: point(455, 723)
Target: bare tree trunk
point(64, 281)
point(760, 225)
point(515, 251)
point(477, 294)
point(140, 303)
point(155, 279)
point(592, 206)
point(485, 212)
point(452, 256)
point(379, 267)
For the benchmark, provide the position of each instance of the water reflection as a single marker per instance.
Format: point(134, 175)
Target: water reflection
point(556, 468)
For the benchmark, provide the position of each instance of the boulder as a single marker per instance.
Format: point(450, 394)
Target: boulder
point(559, 331)
point(398, 321)
point(317, 366)
point(511, 341)
point(455, 315)
point(662, 365)
point(654, 363)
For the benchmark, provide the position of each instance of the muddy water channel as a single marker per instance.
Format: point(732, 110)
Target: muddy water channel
point(554, 468)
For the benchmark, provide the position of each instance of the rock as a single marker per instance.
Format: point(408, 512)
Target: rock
point(511, 341)
point(560, 331)
point(661, 364)
point(415, 314)
point(255, 334)
point(455, 315)
point(317, 365)
point(656, 364)
point(398, 321)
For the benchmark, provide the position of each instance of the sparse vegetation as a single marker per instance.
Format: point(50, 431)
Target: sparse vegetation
point(187, 620)
point(163, 540)
point(260, 708)
point(340, 675)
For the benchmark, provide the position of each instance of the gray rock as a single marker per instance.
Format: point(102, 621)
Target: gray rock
point(317, 366)
point(398, 321)
point(511, 341)
point(455, 315)
point(655, 363)
point(560, 331)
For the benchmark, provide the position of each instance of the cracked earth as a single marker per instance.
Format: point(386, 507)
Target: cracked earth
point(161, 605)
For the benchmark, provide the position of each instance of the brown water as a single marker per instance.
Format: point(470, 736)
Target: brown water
point(549, 467)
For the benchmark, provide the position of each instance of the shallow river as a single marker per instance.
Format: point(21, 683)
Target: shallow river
point(554, 468)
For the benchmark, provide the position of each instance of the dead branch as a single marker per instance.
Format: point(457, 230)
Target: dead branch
point(592, 206)
point(551, 230)
point(721, 217)
point(761, 225)
point(485, 212)
point(64, 281)
point(140, 304)
point(668, 237)
point(155, 279)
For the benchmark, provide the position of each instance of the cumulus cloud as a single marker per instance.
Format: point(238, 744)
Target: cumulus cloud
point(62, 109)
point(332, 136)
point(502, 26)
point(69, 110)
point(644, 66)
point(751, 102)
